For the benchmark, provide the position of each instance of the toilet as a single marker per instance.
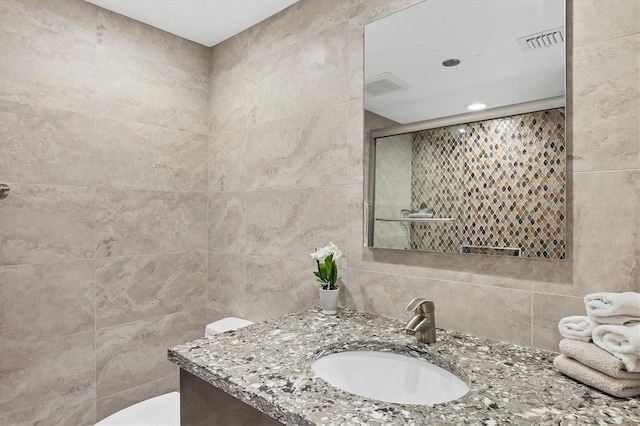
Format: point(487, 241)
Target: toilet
point(225, 324)
point(164, 410)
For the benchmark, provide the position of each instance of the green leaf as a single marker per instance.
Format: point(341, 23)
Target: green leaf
point(329, 265)
point(323, 270)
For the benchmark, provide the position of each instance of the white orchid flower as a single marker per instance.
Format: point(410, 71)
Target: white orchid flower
point(333, 249)
point(321, 254)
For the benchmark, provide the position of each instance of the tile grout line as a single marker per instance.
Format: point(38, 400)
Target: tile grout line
point(154, 317)
point(96, 259)
point(444, 280)
point(291, 188)
point(132, 388)
point(599, 42)
point(209, 139)
point(532, 322)
point(95, 231)
point(557, 294)
point(585, 172)
point(107, 188)
point(244, 309)
point(348, 143)
point(94, 114)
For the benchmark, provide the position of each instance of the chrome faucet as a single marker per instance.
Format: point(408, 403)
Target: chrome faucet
point(423, 322)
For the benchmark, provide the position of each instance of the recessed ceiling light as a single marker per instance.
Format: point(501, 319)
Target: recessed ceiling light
point(451, 62)
point(476, 107)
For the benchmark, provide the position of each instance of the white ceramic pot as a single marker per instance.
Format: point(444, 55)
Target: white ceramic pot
point(329, 301)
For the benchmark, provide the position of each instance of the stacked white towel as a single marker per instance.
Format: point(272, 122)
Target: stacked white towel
point(618, 330)
point(613, 308)
point(577, 327)
point(622, 341)
point(613, 323)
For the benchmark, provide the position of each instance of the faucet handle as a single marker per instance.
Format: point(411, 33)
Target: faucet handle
point(414, 304)
point(420, 306)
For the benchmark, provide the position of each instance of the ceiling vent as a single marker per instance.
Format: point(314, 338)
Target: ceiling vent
point(542, 40)
point(384, 83)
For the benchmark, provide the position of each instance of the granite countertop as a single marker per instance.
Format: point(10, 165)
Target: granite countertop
point(268, 366)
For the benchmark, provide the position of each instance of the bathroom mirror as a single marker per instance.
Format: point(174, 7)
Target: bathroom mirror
point(465, 128)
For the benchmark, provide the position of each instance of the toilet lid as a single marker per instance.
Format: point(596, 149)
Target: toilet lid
point(226, 324)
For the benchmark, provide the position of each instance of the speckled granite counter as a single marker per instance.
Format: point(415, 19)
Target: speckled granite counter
point(268, 366)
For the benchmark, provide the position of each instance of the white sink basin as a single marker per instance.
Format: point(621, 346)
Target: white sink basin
point(390, 377)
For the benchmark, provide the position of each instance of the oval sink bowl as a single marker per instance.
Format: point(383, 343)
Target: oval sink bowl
point(390, 377)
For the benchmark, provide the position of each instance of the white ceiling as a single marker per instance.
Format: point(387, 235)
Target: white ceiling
point(482, 34)
point(207, 22)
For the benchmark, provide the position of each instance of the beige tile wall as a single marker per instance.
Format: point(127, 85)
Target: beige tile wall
point(103, 240)
point(284, 78)
point(116, 207)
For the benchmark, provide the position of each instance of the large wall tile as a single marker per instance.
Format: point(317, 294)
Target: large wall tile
point(133, 288)
point(48, 146)
point(143, 222)
point(300, 151)
point(356, 60)
point(276, 287)
point(291, 223)
point(229, 97)
point(226, 286)
point(596, 20)
point(137, 156)
point(63, 16)
point(46, 301)
point(548, 310)
point(83, 414)
point(51, 382)
point(496, 313)
point(142, 90)
point(227, 221)
point(301, 20)
point(230, 53)
point(606, 234)
point(113, 403)
point(606, 106)
point(141, 40)
point(228, 161)
point(308, 75)
point(48, 53)
point(46, 223)
point(383, 294)
point(133, 354)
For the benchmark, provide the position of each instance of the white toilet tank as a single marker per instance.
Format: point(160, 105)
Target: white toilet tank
point(165, 409)
point(225, 324)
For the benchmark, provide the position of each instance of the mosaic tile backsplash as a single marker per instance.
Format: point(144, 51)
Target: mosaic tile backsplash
point(503, 180)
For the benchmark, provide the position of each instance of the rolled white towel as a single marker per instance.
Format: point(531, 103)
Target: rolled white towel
point(613, 308)
point(577, 327)
point(622, 341)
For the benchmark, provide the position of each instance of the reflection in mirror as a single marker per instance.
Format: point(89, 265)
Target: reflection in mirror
point(441, 178)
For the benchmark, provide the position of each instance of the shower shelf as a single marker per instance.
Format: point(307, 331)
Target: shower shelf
point(419, 219)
